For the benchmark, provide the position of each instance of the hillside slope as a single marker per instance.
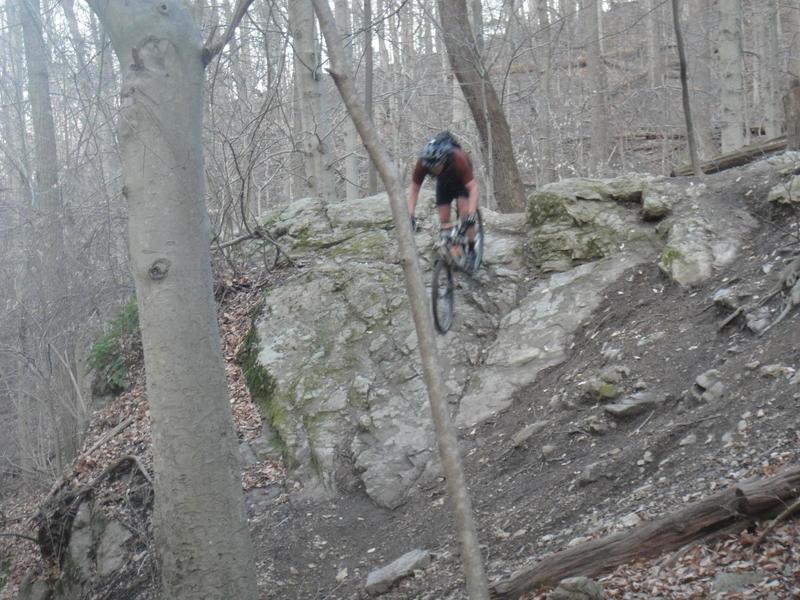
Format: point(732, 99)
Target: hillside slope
point(553, 467)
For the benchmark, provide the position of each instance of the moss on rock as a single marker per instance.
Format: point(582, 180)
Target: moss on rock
point(668, 259)
point(263, 388)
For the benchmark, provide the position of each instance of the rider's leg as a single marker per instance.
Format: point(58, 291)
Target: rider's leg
point(444, 216)
point(443, 200)
point(464, 209)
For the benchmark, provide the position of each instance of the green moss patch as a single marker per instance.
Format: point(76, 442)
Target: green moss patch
point(5, 571)
point(669, 257)
point(262, 386)
point(117, 351)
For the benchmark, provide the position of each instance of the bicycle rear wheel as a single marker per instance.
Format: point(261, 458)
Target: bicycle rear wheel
point(442, 296)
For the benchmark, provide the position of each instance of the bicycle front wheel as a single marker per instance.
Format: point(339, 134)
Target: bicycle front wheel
point(442, 296)
point(478, 241)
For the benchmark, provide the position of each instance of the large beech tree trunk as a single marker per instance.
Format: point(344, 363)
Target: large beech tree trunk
point(477, 586)
point(493, 129)
point(200, 523)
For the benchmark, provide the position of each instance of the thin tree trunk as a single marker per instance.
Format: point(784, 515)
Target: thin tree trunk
point(349, 131)
point(732, 84)
point(47, 216)
point(702, 33)
point(655, 43)
point(307, 75)
point(476, 16)
point(200, 523)
point(74, 31)
point(477, 585)
point(549, 161)
point(24, 284)
point(791, 26)
point(493, 128)
point(771, 48)
point(687, 110)
point(600, 116)
point(369, 67)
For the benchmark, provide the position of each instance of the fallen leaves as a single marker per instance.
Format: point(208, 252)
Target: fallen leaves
point(135, 439)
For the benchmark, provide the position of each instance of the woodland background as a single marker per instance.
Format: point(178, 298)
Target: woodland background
point(588, 88)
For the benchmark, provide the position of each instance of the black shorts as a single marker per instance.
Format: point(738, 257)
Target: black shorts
point(447, 191)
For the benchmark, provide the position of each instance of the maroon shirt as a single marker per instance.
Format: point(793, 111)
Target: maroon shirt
point(457, 173)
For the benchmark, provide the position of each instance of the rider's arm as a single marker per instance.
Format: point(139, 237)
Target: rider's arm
point(413, 196)
point(463, 166)
point(472, 199)
point(413, 190)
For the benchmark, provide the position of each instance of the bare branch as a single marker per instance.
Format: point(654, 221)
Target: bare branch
point(210, 51)
point(18, 535)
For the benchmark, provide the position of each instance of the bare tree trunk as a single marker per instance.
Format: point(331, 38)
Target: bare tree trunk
point(701, 16)
point(74, 30)
point(490, 119)
point(200, 523)
point(307, 75)
point(655, 44)
point(549, 161)
point(349, 131)
point(68, 417)
point(476, 18)
point(791, 103)
point(771, 50)
point(687, 110)
point(732, 84)
point(477, 585)
point(600, 116)
point(369, 66)
point(791, 25)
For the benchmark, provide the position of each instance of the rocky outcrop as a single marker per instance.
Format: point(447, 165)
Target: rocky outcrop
point(337, 347)
point(588, 219)
point(98, 561)
point(333, 361)
point(537, 334)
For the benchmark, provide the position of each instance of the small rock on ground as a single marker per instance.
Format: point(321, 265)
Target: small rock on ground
point(577, 588)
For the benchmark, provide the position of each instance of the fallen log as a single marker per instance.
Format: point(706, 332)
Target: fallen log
point(729, 511)
point(737, 158)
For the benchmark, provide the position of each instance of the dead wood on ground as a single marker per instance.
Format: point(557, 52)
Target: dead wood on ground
point(729, 511)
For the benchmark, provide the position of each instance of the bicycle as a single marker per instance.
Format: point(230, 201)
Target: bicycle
point(451, 256)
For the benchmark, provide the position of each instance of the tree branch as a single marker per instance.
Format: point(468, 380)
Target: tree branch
point(211, 50)
point(18, 535)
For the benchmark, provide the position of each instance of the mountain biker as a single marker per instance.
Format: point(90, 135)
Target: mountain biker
point(443, 158)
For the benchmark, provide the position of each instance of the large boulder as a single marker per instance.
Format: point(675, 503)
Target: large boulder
point(702, 236)
point(335, 367)
point(578, 220)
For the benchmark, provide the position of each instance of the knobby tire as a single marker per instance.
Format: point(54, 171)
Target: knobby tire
point(443, 296)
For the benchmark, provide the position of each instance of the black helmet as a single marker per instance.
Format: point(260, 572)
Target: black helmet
point(437, 150)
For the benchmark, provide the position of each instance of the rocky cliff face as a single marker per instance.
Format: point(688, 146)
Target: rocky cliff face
point(335, 347)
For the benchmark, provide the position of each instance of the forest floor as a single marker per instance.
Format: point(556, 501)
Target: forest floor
point(572, 481)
